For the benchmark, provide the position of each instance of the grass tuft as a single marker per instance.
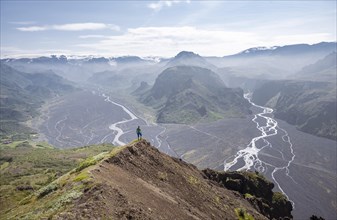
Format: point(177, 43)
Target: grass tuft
point(193, 180)
point(47, 189)
point(242, 214)
point(82, 176)
point(162, 176)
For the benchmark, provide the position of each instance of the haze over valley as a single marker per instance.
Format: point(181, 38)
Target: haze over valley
point(269, 109)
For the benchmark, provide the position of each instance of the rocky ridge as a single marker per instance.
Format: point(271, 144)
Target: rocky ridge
point(137, 181)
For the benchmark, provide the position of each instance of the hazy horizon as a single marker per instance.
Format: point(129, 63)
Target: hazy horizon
point(160, 28)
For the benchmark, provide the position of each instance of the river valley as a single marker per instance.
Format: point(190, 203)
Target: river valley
point(286, 156)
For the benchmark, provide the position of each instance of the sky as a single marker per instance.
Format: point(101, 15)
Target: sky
point(160, 28)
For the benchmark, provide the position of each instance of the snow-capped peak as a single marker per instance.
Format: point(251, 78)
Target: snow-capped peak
point(254, 49)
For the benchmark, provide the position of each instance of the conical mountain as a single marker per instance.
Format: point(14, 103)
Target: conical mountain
point(189, 94)
point(186, 58)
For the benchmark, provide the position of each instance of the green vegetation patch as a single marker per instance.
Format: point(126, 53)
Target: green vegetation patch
point(255, 177)
point(248, 196)
point(39, 167)
point(193, 180)
point(242, 214)
point(86, 163)
point(82, 176)
point(4, 165)
point(279, 198)
point(65, 199)
point(115, 151)
point(46, 190)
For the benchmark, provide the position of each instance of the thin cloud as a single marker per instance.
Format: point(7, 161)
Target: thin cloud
point(168, 41)
point(71, 27)
point(159, 5)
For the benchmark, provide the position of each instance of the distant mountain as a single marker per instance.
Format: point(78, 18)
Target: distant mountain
point(188, 94)
point(22, 93)
point(143, 87)
point(129, 59)
point(80, 69)
point(288, 50)
point(323, 70)
point(278, 62)
point(311, 106)
point(82, 60)
point(186, 58)
point(275, 63)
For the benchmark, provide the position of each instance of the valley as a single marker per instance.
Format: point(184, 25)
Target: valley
point(189, 107)
point(236, 102)
point(208, 145)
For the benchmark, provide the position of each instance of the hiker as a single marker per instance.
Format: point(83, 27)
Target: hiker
point(139, 133)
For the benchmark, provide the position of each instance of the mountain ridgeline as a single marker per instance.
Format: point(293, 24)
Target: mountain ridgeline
point(137, 181)
point(322, 70)
point(189, 94)
point(23, 93)
point(311, 106)
point(186, 58)
point(250, 69)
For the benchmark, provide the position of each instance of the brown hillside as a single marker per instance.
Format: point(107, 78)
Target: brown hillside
point(142, 183)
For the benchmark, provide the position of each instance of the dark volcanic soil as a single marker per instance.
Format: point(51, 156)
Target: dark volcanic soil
point(142, 183)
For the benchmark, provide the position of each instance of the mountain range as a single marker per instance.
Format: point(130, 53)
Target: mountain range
point(322, 70)
point(255, 61)
point(311, 106)
point(21, 94)
point(137, 181)
point(198, 102)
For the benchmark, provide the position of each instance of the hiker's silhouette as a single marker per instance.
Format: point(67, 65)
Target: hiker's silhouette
point(139, 133)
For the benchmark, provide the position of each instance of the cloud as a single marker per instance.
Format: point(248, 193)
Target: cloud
point(157, 6)
point(71, 27)
point(168, 41)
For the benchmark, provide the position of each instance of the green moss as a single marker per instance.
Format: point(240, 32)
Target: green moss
point(248, 196)
point(242, 214)
point(82, 176)
point(4, 165)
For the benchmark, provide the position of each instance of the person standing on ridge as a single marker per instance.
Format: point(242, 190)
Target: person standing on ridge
point(139, 133)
